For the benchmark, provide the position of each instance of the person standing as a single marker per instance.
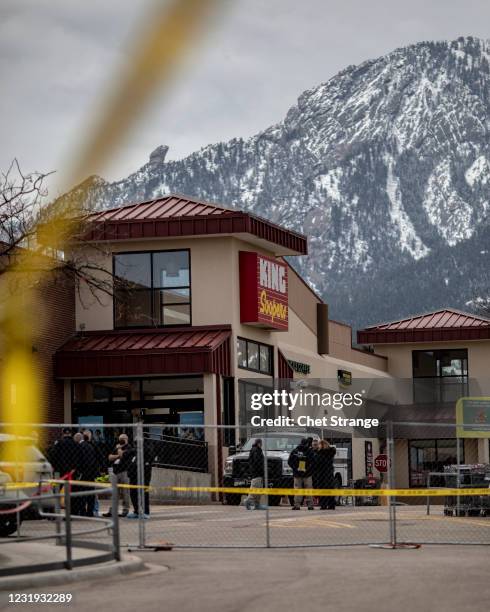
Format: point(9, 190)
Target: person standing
point(101, 459)
point(148, 460)
point(324, 473)
point(118, 470)
point(256, 473)
point(63, 454)
point(302, 461)
point(87, 470)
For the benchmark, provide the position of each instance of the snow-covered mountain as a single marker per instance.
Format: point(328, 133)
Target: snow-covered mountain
point(386, 167)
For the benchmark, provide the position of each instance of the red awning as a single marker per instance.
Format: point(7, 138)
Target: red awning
point(149, 352)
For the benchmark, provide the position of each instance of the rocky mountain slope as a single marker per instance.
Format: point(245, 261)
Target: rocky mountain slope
point(386, 167)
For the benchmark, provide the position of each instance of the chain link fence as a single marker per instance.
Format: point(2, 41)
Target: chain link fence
point(181, 485)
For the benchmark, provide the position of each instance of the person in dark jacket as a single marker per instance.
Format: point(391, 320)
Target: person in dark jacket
point(87, 470)
point(131, 457)
point(63, 455)
point(324, 473)
point(302, 462)
point(256, 473)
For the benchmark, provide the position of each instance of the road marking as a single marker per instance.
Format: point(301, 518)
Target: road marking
point(310, 522)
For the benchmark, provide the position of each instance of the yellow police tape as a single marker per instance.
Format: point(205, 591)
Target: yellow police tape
point(443, 492)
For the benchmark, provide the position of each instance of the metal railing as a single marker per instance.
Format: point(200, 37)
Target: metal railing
point(66, 534)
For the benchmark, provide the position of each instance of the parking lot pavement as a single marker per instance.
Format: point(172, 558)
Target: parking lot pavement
point(235, 526)
point(215, 525)
point(435, 578)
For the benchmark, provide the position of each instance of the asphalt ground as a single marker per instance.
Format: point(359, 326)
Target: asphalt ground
point(216, 525)
point(347, 579)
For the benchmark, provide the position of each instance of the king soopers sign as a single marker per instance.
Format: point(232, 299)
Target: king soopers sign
point(263, 291)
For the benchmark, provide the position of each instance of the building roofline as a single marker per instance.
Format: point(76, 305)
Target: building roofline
point(427, 314)
point(101, 226)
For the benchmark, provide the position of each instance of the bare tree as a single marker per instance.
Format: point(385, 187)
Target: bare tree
point(21, 197)
point(24, 210)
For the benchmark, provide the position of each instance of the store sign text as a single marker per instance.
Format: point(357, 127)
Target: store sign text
point(263, 291)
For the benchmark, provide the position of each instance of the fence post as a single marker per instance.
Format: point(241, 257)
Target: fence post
point(140, 466)
point(266, 486)
point(391, 482)
point(68, 543)
point(115, 521)
point(18, 478)
point(458, 473)
point(57, 511)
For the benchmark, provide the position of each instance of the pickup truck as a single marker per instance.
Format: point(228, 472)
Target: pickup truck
point(278, 446)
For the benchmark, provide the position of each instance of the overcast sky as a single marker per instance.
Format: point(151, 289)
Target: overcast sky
point(57, 56)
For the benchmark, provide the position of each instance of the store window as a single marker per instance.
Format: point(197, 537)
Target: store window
point(431, 456)
point(152, 289)
point(255, 356)
point(246, 390)
point(105, 391)
point(440, 375)
point(160, 388)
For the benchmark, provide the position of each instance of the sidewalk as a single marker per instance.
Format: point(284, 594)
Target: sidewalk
point(19, 554)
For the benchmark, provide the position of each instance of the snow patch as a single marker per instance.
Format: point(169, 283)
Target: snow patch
point(478, 172)
point(445, 208)
point(330, 183)
point(409, 241)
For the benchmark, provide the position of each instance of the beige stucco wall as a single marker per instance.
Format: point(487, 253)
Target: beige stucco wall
point(340, 346)
point(401, 464)
point(400, 359)
point(212, 263)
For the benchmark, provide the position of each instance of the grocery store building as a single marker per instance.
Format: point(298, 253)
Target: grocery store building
point(203, 300)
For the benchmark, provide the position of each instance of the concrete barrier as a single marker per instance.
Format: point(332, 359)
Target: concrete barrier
point(164, 477)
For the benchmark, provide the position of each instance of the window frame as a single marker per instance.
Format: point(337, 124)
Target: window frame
point(259, 344)
point(153, 291)
point(411, 441)
point(436, 352)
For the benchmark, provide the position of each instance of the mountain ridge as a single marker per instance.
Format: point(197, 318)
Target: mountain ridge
point(386, 168)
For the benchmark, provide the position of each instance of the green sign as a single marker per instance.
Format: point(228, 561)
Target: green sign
point(298, 366)
point(473, 417)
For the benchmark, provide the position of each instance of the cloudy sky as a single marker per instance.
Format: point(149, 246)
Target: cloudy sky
point(57, 58)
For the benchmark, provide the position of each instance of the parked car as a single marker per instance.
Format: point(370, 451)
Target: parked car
point(279, 446)
point(34, 467)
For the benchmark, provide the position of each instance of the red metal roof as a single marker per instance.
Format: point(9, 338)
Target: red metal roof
point(145, 352)
point(174, 215)
point(171, 206)
point(442, 325)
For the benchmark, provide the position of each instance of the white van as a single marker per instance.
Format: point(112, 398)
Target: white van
point(33, 468)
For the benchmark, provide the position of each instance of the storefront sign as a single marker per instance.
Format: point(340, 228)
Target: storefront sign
point(300, 367)
point(368, 458)
point(344, 377)
point(263, 291)
point(473, 417)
